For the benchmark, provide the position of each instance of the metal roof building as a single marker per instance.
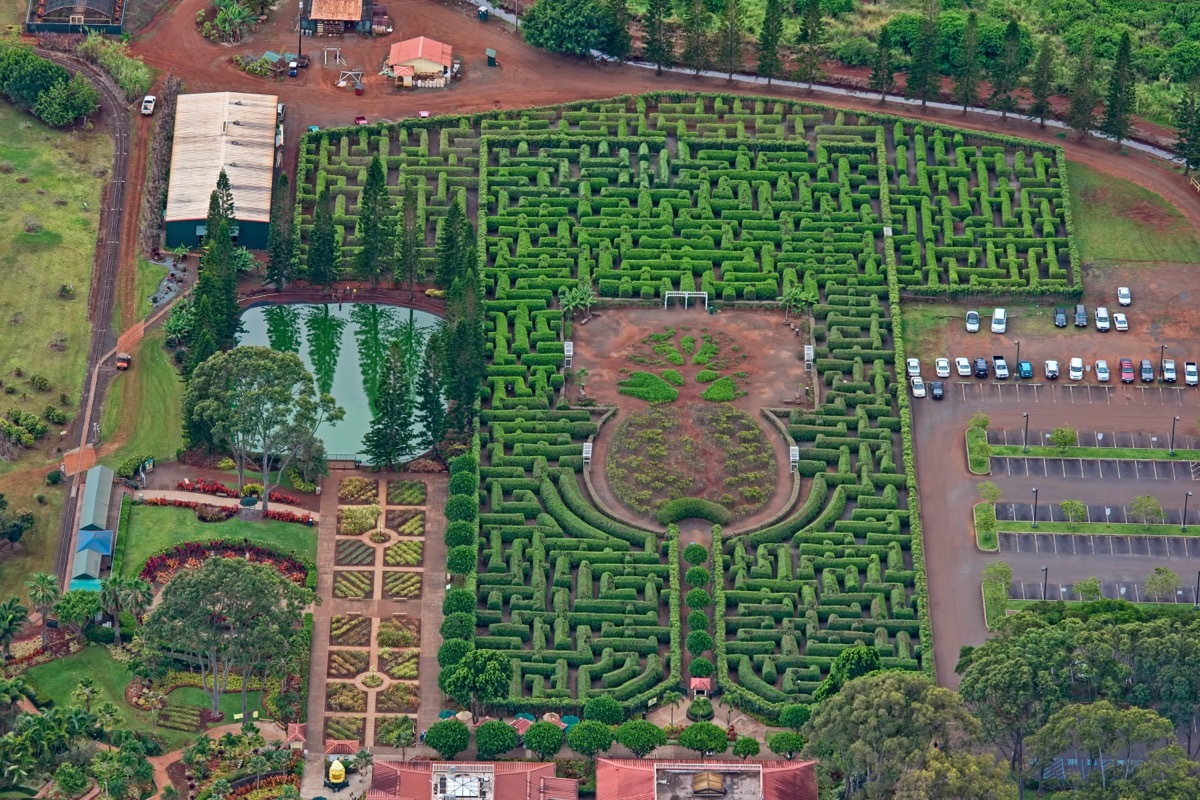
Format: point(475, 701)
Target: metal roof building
point(97, 489)
point(230, 131)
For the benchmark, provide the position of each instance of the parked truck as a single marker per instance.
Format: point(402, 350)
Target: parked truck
point(1001, 367)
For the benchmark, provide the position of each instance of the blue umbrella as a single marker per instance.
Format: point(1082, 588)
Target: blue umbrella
point(570, 721)
point(525, 715)
point(445, 714)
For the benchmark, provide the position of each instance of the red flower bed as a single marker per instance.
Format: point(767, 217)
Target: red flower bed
point(205, 512)
point(189, 555)
point(283, 515)
point(285, 498)
point(206, 487)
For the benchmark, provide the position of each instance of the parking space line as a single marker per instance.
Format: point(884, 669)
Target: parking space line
point(1137, 469)
point(1154, 464)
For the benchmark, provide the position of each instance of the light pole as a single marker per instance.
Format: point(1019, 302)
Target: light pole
point(1035, 506)
point(300, 33)
point(1017, 366)
point(1162, 354)
point(1171, 451)
point(1025, 438)
point(1045, 571)
point(1183, 522)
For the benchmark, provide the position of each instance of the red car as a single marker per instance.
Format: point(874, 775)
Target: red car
point(360, 120)
point(1126, 370)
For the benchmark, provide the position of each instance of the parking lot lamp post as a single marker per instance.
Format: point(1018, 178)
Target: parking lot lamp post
point(1171, 451)
point(1035, 506)
point(300, 33)
point(1045, 572)
point(1018, 358)
point(1162, 354)
point(1025, 438)
point(1183, 522)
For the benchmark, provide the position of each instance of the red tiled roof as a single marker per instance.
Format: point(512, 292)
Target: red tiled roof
point(420, 47)
point(512, 780)
point(295, 732)
point(634, 779)
point(341, 747)
point(521, 724)
point(702, 683)
point(336, 10)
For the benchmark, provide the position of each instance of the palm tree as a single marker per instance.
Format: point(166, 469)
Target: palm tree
point(795, 298)
point(44, 592)
point(221, 789)
point(113, 592)
point(108, 718)
point(13, 617)
point(154, 702)
point(139, 594)
point(288, 792)
point(11, 692)
point(257, 765)
point(363, 759)
point(85, 693)
point(570, 299)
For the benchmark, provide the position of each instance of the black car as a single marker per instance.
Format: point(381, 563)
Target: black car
point(1081, 316)
point(937, 390)
point(1060, 317)
point(1147, 371)
point(981, 368)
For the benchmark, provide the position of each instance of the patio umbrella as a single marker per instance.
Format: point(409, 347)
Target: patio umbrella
point(463, 716)
point(550, 716)
point(447, 714)
point(570, 721)
point(525, 715)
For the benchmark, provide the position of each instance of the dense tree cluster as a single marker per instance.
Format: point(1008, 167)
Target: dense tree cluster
point(43, 88)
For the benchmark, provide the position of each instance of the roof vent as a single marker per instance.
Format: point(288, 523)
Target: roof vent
point(237, 122)
point(234, 141)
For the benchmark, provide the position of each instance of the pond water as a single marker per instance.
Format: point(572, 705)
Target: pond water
point(344, 346)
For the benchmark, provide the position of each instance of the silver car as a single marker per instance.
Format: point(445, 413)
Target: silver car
point(1102, 373)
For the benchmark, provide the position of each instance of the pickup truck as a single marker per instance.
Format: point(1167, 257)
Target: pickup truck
point(1001, 367)
point(1191, 375)
point(1168, 370)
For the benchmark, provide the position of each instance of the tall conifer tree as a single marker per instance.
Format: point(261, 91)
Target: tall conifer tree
point(769, 64)
point(883, 72)
point(324, 245)
point(660, 47)
point(1118, 104)
point(1006, 70)
point(1041, 83)
point(812, 33)
point(968, 70)
point(375, 229)
point(1081, 113)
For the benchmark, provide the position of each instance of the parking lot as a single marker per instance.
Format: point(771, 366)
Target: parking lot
point(1093, 438)
point(1095, 468)
point(993, 391)
point(1078, 544)
point(1096, 512)
point(1134, 591)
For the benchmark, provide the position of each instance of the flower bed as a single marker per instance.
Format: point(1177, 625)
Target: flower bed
point(348, 663)
point(406, 493)
point(264, 789)
point(342, 696)
point(398, 698)
point(402, 585)
point(400, 664)
point(205, 512)
point(350, 631)
point(406, 523)
point(163, 566)
point(206, 487)
point(357, 520)
point(353, 553)
point(358, 490)
point(399, 634)
point(349, 585)
point(344, 728)
point(284, 515)
point(404, 554)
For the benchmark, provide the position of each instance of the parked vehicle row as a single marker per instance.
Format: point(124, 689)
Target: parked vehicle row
point(1104, 321)
point(981, 367)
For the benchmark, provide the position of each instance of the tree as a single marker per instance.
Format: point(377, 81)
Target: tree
point(1041, 83)
point(227, 615)
point(112, 599)
point(883, 71)
point(640, 737)
point(923, 80)
point(44, 592)
point(745, 746)
point(409, 239)
point(75, 608)
point(955, 775)
point(482, 677)
point(448, 737)
point(1081, 113)
point(795, 716)
point(1073, 510)
point(494, 738)
point(989, 492)
point(705, 738)
point(660, 47)
point(812, 35)
point(695, 554)
point(770, 66)
point(731, 37)
point(324, 264)
point(872, 750)
point(1063, 438)
point(1088, 589)
point(390, 438)
point(1147, 510)
point(258, 403)
point(544, 738)
point(603, 708)
point(66, 101)
point(139, 594)
point(589, 738)
point(462, 560)
point(85, 693)
point(224, 196)
point(1187, 131)
point(281, 244)
point(619, 40)
point(1118, 104)
point(1162, 583)
point(851, 663)
point(694, 24)
point(968, 70)
point(70, 781)
point(375, 228)
point(575, 27)
point(796, 298)
point(1006, 71)
point(979, 421)
point(786, 744)
point(455, 246)
point(431, 401)
point(1106, 734)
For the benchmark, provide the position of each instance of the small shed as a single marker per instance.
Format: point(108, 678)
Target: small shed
point(97, 491)
point(701, 687)
point(337, 17)
point(420, 58)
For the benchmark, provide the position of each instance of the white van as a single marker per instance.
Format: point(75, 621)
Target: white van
point(1102, 319)
point(279, 109)
point(999, 321)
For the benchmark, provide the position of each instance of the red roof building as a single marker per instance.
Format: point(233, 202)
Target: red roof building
point(341, 747)
point(660, 779)
point(425, 780)
point(701, 685)
point(423, 54)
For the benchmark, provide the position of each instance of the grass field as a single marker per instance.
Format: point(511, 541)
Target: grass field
point(1117, 220)
point(40, 545)
point(148, 277)
point(141, 407)
point(152, 528)
point(47, 182)
point(978, 450)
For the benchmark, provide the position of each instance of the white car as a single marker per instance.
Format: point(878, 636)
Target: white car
point(1120, 323)
point(914, 367)
point(1191, 376)
point(1102, 374)
point(1051, 369)
point(148, 104)
point(942, 367)
point(918, 386)
point(963, 366)
point(1075, 369)
point(1102, 319)
point(972, 322)
point(1124, 298)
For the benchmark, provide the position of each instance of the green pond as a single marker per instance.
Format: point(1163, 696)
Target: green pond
point(344, 345)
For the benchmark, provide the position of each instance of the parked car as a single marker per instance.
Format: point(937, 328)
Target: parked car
point(1080, 315)
point(1001, 367)
point(1051, 370)
point(1124, 298)
point(963, 366)
point(1024, 369)
point(148, 104)
point(913, 367)
point(1168, 370)
point(1102, 371)
point(937, 390)
point(1190, 374)
point(972, 322)
point(981, 367)
point(999, 321)
point(918, 386)
point(1060, 317)
point(1119, 322)
point(314, 128)
point(360, 120)
point(1075, 369)
point(942, 367)
point(1146, 370)
point(1103, 321)
point(1126, 370)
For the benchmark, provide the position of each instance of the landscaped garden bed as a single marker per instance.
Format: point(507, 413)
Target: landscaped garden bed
point(160, 568)
point(358, 491)
point(348, 663)
point(406, 522)
point(351, 585)
point(400, 664)
point(341, 696)
point(404, 632)
point(350, 631)
point(345, 728)
point(404, 554)
point(402, 585)
point(354, 553)
point(406, 493)
point(397, 698)
point(357, 520)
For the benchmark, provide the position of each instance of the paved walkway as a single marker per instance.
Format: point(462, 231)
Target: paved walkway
point(227, 502)
point(269, 730)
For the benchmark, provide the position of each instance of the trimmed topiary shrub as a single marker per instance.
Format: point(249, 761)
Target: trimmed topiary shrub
point(700, 668)
point(692, 507)
point(701, 709)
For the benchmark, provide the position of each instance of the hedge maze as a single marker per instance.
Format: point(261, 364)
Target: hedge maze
point(742, 198)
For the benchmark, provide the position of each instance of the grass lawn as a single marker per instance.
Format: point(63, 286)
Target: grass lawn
point(142, 406)
point(152, 528)
point(231, 702)
point(1126, 453)
point(985, 534)
point(978, 451)
point(1116, 220)
point(47, 183)
point(39, 545)
point(148, 277)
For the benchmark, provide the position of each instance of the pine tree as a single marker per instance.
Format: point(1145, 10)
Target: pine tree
point(391, 435)
point(465, 351)
point(619, 40)
point(968, 70)
point(218, 259)
point(409, 240)
point(431, 400)
point(1187, 131)
point(1081, 113)
point(324, 245)
point(660, 47)
point(883, 73)
point(731, 38)
point(1041, 82)
point(1118, 104)
point(374, 225)
point(812, 32)
point(1006, 70)
point(769, 64)
point(281, 253)
point(455, 239)
point(695, 43)
point(225, 196)
point(923, 78)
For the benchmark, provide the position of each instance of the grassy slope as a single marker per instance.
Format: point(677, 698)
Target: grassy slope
point(39, 545)
point(152, 528)
point(1106, 223)
point(142, 405)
